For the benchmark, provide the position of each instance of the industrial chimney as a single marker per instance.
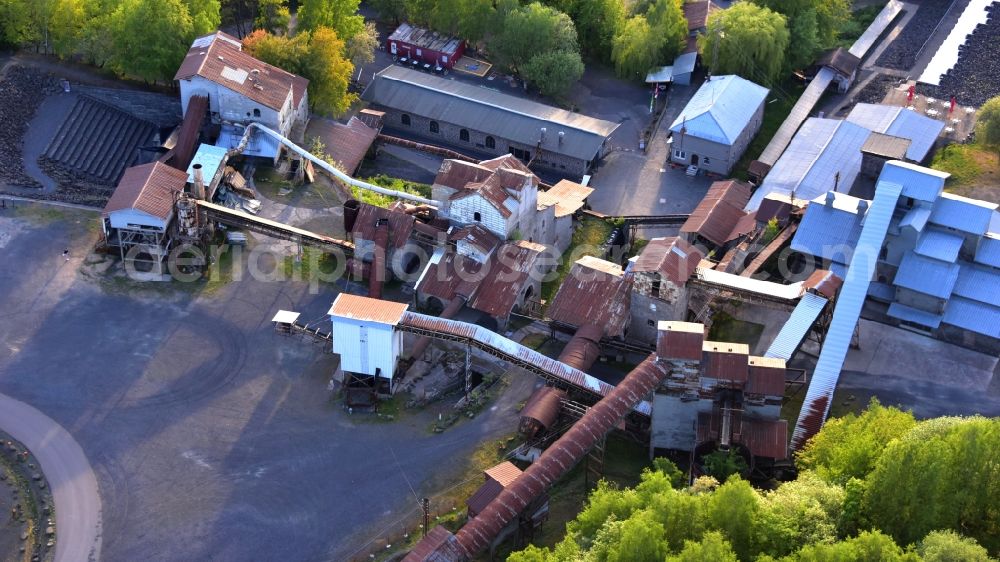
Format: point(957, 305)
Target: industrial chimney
point(199, 183)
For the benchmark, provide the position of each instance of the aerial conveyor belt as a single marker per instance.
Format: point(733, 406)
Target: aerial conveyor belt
point(555, 372)
point(239, 219)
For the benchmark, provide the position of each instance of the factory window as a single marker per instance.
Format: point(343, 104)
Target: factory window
point(705, 160)
point(477, 217)
point(656, 287)
point(405, 119)
point(256, 113)
point(650, 322)
point(464, 135)
point(434, 127)
point(680, 155)
point(491, 142)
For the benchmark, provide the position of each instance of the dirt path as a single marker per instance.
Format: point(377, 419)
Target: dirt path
point(73, 484)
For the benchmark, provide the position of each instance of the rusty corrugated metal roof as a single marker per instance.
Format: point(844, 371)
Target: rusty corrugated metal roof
point(719, 211)
point(594, 292)
point(400, 224)
point(696, 13)
point(766, 438)
point(767, 376)
point(542, 406)
point(490, 190)
point(150, 188)
point(508, 269)
point(220, 58)
point(505, 473)
point(824, 282)
point(725, 361)
point(584, 348)
point(453, 274)
point(476, 236)
point(438, 546)
point(671, 257)
point(371, 310)
point(680, 340)
point(456, 174)
point(568, 197)
point(189, 133)
point(347, 143)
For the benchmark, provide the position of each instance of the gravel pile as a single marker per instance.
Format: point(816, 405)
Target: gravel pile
point(875, 91)
point(902, 52)
point(21, 91)
point(976, 76)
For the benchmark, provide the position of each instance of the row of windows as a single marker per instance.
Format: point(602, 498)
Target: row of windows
point(463, 135)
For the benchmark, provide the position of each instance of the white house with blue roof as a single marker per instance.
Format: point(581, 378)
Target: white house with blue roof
point(938, 268)
point(716, 126)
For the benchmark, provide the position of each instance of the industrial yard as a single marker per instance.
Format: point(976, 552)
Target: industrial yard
point(249, 315)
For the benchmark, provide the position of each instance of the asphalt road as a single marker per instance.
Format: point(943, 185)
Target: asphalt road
point(73, 484)
point(210, 436)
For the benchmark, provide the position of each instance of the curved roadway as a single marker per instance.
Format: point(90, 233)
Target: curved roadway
point(73, 484)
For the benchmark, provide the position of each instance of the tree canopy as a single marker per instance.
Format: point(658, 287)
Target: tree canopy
point(339, 15)
point(747, 40)
point(150, 38)
point(906, 500)
point(813, 25)
point(988, 124)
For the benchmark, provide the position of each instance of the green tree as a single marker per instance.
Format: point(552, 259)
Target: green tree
point(553, 73)
point(272, 16)
point(798, 513)
point(635, 49)
point(599, 21)
point(150, 38)
point(287, 53)
point(723, 464)
point(339, 15)
point(949, 546)
point(205, 16)
point(474, 19)
point(666, 18)
point(394, 10)
point(529, 31)
point(988, 124)
point(361, 48)
point(848, 447)
point(95, 42)
point(66, 27)
point(814, 24)
point(712, 547)
point(747, 40)
point(732, 509)
point(329, 73)
point(943, 474)
point(867, 547)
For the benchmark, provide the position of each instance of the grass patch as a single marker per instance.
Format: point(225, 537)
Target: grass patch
point(856, 26)
point(382, 180)
point(636, 247)
point(588, 237)
point(729, 329)
point(314, 266)
point(534, 341)
point(775, 113)
point(974, 169)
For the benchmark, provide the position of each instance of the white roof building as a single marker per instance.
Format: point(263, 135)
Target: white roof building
point(720, 109)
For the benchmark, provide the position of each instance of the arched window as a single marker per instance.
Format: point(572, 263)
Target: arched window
point(463, 135)
point(256, 112)
point(434, 127)
point(477, 217)
point(405, 119)
point(491, 142)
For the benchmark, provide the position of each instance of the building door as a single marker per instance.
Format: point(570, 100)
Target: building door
point(694, 159)
point(363, 346)
point(392, 47)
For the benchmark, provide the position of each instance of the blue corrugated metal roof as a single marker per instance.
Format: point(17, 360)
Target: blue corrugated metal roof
point(988, 252)
point(926, 275)
point(921, 130)
point(882, 291)
point(796, 327)
point(720, 109)
point(819, 151)
point(978, 283)
point(915, 315)
point(830, 231)
point(916, 218)
point(211, 159)
point(964, 214)
point(973, 316)
point(939, 244)
point(846, 313)
point(918, 182)
point(684, 64)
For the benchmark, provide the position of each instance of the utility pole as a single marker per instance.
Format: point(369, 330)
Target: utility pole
point(425, 505)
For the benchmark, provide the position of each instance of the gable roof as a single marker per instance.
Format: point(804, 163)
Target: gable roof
point(150, 188)
point(568, 197)
point(839, 59)
point(365, 225)
point(820, 150)
point(719, 211)
point(720, 109)
point(345, 143)
point(489, 111)
point(508, 269)
point(963, 214)
point(899, 122)
point(671, 257)
point(491, 191)
point(367, 309)
point(926, 275)
point(595, 292)
point(918, 182)
point(456, 174)
point(477, 236)
point(830, 227)
point(219, 57)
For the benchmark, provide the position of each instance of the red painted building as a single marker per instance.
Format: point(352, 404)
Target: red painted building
point(425, 46)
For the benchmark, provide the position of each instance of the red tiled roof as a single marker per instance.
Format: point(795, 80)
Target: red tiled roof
point(671, 257)
point(456, 174)
point(220, 58)
point(490, 190)
point(594, 292)
point(346, 144)
point(508, 269)
point(504, 473)
point(150, 188)
point(725, 361)
point(719, 211)
point(363, 308)
point(767, 376)
point(400, 224)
